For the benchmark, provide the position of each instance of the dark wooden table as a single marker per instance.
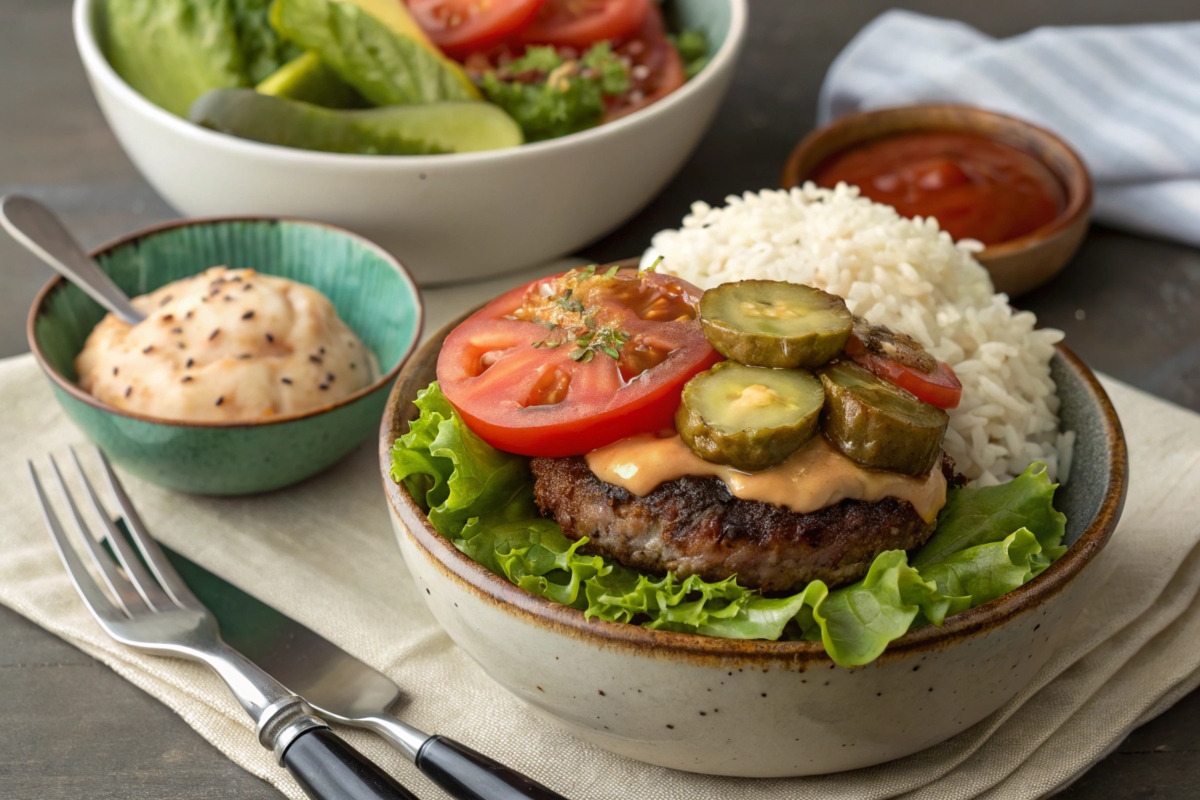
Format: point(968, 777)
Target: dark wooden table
point(70, 728)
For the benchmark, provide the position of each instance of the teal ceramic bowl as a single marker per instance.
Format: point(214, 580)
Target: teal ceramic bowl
point(373, 294)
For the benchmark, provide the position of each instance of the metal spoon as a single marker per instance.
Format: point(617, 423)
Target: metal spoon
point(44, 235)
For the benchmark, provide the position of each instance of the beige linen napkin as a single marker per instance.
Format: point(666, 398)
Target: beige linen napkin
point(324, 552)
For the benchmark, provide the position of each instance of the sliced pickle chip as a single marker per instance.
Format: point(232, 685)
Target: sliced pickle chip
point(880, 425)
point(749, 417)
point(775, 324)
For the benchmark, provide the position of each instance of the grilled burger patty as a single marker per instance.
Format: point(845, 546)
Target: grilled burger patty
point(694, 525)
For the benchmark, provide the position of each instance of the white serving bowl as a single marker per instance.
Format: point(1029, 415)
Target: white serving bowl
point(766, 709)
point(448, 217)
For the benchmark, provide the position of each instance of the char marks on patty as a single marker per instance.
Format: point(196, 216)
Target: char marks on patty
point(695, 526)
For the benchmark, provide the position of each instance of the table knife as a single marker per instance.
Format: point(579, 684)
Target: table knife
point(344, 689)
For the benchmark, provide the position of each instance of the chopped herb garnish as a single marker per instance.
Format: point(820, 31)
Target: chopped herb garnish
point(654, 267)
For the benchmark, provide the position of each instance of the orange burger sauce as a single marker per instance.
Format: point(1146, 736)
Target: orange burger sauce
point(976, 187)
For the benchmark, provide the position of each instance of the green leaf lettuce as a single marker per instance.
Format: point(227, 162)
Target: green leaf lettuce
point(988, 542)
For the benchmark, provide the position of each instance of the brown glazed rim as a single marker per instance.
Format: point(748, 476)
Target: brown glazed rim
point(79, 394)
point(1073, 174)
point(567, 621)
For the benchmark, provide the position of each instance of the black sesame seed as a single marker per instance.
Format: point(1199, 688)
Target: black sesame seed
point(286, 380)
point(353, 365)
point(316, 359)
point(247, 287)
point(166, 300)
point(186, 379)
point(228, 298)
point(215, 291)
point(116, 370)
point(213, 335)
point(189, 363)
point(236, 279)
point(329, 377)
point(220, 400)
point(248, 315)
point(270, 338)
point(128, 391)
point(323, 386)
point(321, 350)
point(176, 330)
point(243, 356)
point(147, 348)
point(188, 315)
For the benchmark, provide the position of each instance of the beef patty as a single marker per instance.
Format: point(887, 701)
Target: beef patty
point(695, 526)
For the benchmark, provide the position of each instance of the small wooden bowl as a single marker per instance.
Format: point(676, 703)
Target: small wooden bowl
point(1016, 266)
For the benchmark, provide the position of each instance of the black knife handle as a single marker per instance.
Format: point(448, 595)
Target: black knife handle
point(329, 769)
point(467, 775)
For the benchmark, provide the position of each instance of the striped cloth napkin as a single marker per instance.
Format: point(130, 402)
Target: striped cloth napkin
point(1127, 98)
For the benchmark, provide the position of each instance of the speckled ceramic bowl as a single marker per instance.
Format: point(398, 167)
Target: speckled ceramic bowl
point(373, 294)
point(767, 709)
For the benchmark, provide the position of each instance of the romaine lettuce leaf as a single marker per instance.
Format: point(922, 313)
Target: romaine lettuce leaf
point(386, 67)
point(482, 500)
point(263, 51)
point(173, 51)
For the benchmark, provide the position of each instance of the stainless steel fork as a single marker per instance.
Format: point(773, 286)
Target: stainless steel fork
point(159, 614)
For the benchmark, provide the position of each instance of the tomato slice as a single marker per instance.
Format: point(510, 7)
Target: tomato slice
point(655, 70)
point(582, 23)
point(940, 388)
point(460, 27)
point(533, 371)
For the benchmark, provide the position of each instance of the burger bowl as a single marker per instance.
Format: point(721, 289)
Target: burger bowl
point(758, 708)
point(448, 217)
point(371, 291)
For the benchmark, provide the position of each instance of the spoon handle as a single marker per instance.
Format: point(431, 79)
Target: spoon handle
point(43, 234)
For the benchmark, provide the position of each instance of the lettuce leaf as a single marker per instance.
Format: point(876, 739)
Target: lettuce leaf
point(173, 51)
point(481, 499)
point(386, 67)
point(979, 515)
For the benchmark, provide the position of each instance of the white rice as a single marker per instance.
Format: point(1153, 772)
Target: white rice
point(910, 276)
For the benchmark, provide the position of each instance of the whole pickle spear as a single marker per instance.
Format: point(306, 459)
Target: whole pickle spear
point(749, 417)
point(395, 130)
point(879, 425)
point(775, 324)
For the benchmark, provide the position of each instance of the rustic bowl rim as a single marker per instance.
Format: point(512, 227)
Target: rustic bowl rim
point(78, 394)
point(1077, 181)
point(564, 620)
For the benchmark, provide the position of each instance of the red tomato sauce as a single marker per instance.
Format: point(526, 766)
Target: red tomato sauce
point(976, 187)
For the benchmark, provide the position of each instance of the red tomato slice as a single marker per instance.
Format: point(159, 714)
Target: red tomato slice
point(460, 27)
point(655, 68)
point(941, 388)
point(526, 387)
point(582, 23)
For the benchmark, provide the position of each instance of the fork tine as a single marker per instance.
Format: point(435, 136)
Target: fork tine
point(151, 552)
point(93, 596)
point(126, 596)
point(146, 586)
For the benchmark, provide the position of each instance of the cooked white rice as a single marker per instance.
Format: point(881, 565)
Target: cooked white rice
point(908, 275)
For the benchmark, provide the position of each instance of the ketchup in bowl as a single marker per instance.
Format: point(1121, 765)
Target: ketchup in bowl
point(976, 187)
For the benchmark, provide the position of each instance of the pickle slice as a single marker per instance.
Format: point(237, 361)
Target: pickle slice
point(749, 417)
point(775, 324)
point(880, 425)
